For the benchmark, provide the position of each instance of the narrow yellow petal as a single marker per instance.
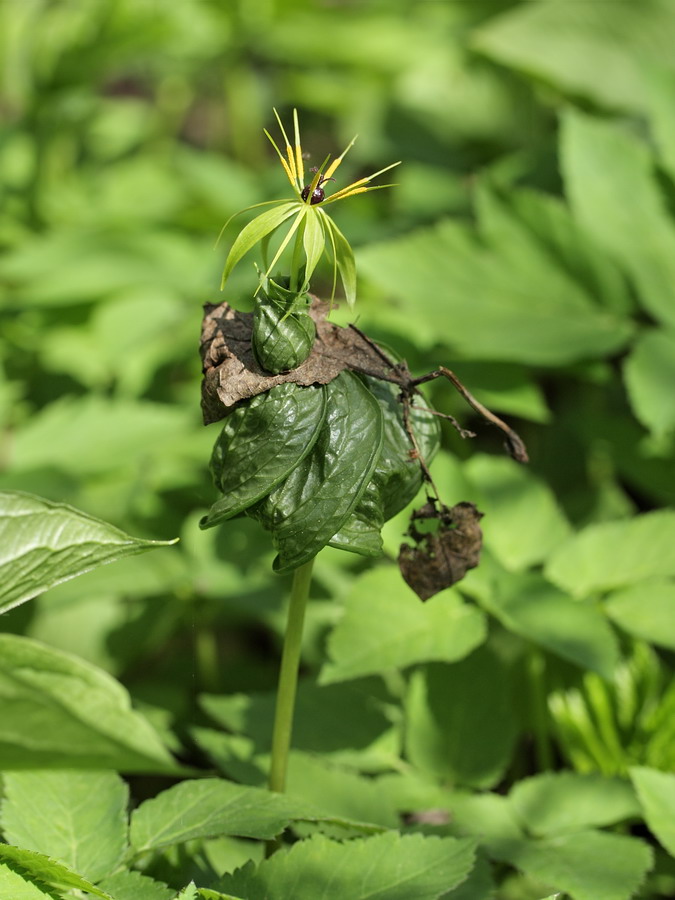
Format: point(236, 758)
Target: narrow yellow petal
point(300, 166)
point(336, 162)
point(346, 192)
point(289, 150)
point(349, 189)
point(282, 160)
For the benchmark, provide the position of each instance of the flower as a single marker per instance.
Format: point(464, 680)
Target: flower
point(314, 230)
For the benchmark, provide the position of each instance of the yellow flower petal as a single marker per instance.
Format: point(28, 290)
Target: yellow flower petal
point(300, 166)
point(282, 160)
point(336, 162)
point(289, 150)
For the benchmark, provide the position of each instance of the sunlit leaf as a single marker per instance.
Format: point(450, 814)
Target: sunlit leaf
point(57, 711)
point(43, 544)
point(79, 818)
point(255, 231)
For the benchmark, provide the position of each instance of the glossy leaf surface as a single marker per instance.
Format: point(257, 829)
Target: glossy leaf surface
point(43, 544)
point(283, 331)
point(261, 443)
point(307, 509)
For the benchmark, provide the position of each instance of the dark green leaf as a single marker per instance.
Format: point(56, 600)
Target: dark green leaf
point(319, 495)
point(283, 331)
point(261, 443)
point(397, 477)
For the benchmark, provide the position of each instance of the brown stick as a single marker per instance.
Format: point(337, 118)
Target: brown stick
point(514, 443)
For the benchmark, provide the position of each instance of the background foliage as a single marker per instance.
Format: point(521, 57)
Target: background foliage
point(529, 245)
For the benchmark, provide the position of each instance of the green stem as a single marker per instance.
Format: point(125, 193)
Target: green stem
point(288, 677)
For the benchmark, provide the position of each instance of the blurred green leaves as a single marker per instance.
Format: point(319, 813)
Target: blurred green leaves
point(530, 247)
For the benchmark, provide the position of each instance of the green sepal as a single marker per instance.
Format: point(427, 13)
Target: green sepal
point(320, 494)
point(283, 331)
point(261, 443)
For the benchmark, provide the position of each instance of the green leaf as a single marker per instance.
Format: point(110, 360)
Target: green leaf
point(551, 804)
point(361, 533)
point(255, 231)
point(57, 711)
point(588, 865)
point(615, 554)
point(43, 873)
point(539, 612)
point(319, 495)
point(649, 373)
point(645, 610)
point(603, 164)
point(523, 307)
point(460, 726)
point(538, 232)
point(344, 260)
point(397, 477)
point(207, 808)
point(660, 83)
point(329, 719)
point(79, 818)
point(337, 793)
point(656, 792)
point(261, 443)
point(283, 331)
point(44, 543)
point(593, 50)
point(19, 887)
point(313, 241)
point(525, 521)
point(94, 434)
point(386, 627)
point(130, 885)
point(384, 867)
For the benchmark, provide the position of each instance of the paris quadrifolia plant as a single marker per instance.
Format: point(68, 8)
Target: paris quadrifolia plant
point(325, 436)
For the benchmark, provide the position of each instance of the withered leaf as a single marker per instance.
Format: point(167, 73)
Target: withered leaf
point(232, 374)
point(441, 557)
